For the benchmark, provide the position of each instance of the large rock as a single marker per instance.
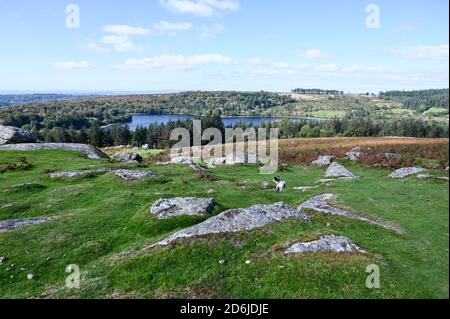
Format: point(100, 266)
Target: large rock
point(130, 175)
point(406, 171)
point(89, 151)
point(13, 135)
point(338, 170)
point(321, 203)
point(7, 225)
point(79, 173)
point(166, 208)
point(354, 153)
point(323, 160)
point(128, 157)
point(331, 243)
point(235, 220)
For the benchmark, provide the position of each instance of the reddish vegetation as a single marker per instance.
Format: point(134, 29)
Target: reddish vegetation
point(410, 150)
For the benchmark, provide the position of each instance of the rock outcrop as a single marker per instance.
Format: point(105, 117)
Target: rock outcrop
point(14, 135)
point(87, 150)
point(321, 203)
point(406, 171)
point(235, 220)
point(128, 157)
point(323, 160)
point(166, 208)
point(354, 153)
point(330, 243)
point(130, 175)
point(79, 173)
point(7, 225)
point(338, 170)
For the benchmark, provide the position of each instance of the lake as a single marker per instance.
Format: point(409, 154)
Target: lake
point(144, 120)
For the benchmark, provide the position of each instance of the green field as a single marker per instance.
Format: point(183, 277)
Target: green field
point(102, 216)
point(328, 114)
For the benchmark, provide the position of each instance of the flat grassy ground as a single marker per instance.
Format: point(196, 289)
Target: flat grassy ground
point(102, 216)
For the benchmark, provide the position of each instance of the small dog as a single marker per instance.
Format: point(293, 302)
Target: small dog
point(280, 185)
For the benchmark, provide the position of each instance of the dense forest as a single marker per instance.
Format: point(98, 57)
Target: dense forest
point(81, 120)
point(421, 100)
point(118, 109)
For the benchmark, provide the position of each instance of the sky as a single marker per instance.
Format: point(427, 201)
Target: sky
point(245, 45)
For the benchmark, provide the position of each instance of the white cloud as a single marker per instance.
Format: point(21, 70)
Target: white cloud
point(207, 32)
point(121, 43)
point(92, 46)
point(169, 26)
point(327, 67)
point(314, 54)
point(123, 29)
point(174, 62)
point(258, 61)
point(204, 8)
point(72, 65)
point(438, 52)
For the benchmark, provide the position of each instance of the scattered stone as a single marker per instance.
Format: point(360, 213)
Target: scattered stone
point(197, 168)
point(128, 157)
point(7, 225)
point(130, 175)
point(25, 187)
point(338, 170)
point(406, 171)
point(248, 262)
point(23, 269)
point(354, 153)
point(223, 262)
point(89, 151)
point(79, 173)
point(13, 135)
point(425, 176)
point(304, 188)
point(2, 260)
point(235, 220)
point(323, 160)
point(210, 191)
point(216, 161)
point(181, 160)
point(331, 243)
point(264, 185)
point(145, 147)
point(30, 276)
point(329, 180)
point(390, 156)
point(320, 203)
point(166, 208)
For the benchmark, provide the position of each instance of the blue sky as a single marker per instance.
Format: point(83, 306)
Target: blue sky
point(223, 45)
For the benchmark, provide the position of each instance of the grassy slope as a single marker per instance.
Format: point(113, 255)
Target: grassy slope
point(102, 216)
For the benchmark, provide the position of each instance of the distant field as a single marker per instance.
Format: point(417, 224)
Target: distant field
point(436, 110)
point(328, 114)
point(403, 111)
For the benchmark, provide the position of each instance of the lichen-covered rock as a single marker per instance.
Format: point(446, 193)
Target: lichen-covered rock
point(25, 187)
point(79, 173)
point(321, 203)
point(89, 151)
point(166, 208)
point(129, 175)
point(390, 156)
point(338, 170)
point(235, 220)
point(13, 135)
point(425, 176)
point(128, 157)
point(323, 160)
point(7, 225)
point(406, 171)
point(354, 153)
point(331, 243)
